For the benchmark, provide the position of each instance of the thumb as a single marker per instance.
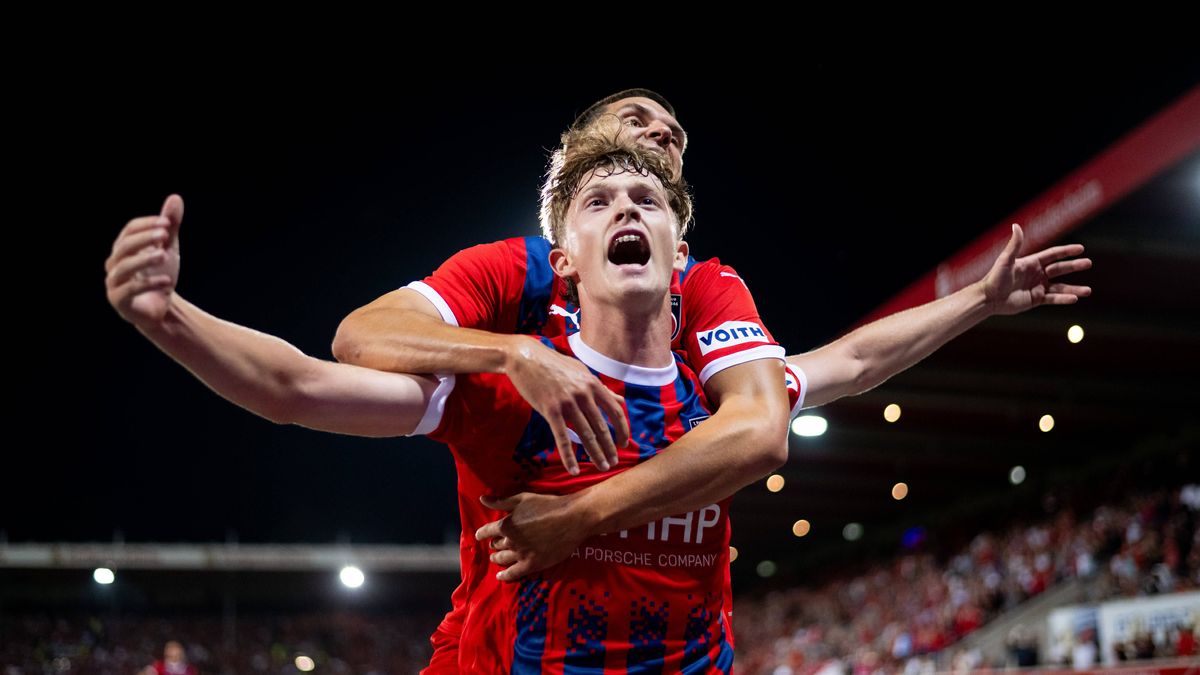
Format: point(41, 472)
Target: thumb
point(1013, 248)
point(172, 210)
point(505, 504)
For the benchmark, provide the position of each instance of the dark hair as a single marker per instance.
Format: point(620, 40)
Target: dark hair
point(603, 148)
point(588, 116)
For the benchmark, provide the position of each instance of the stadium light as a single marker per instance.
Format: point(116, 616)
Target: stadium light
point(104, 576)
point(801, 527)
point(809, 425)
point(891, 413)
point(852, 532)
point(899, 491)
point(351, 576)
point(1075, 334)
point(775, 482)
point(305, 663)
point(1017, 475)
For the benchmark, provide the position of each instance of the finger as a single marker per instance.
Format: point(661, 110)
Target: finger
point(172, 210)
point(504, 558)
point(1068, 289)
point(139, 224)
point(591, 445)
point(1009, 254)
point(137, 286)
point(127, 245)
point(612, 404)
point(515, 572)
point(490, 530)
point(563, 442)
point(126, 268)
point(1068, 266)
point(600, 427)
point(501, 504)
point(1059, 299)
point(1058, 253)
point(499, 544)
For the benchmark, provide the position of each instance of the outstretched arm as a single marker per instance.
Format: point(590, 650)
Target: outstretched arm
point(256, 371)
point(870, 355)
point(403, 332)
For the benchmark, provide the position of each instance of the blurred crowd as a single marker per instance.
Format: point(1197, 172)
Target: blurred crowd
point(336, 643)
point(899, 615)
point(902, 616)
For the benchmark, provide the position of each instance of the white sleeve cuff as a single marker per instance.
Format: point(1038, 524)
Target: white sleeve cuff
point(794, 371)
point(738, 358)
point(435, 298)
point(436, 408)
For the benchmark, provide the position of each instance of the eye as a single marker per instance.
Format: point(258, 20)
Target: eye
point(649, 201)
point(595, 201)
point(632, 121)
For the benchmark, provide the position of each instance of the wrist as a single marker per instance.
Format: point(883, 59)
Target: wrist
point(979, 301)
point(586, 511)
point(514, 350)
point(164, 327)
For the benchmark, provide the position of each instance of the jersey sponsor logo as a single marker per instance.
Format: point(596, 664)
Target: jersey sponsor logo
point(687, 528)
point(571, 318)
point(729, 334)
point(731, 274)
point(695, 421)
point(676, 309)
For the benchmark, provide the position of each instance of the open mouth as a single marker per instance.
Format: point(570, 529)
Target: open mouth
point(629, 248)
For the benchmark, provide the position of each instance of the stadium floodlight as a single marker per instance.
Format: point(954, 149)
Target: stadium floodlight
point(809, 425)
point(352, 577)
point(104, 576)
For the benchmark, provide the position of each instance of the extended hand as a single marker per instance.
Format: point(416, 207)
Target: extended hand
point(562, 390)
point(143, 268)
point(540, 531)
point(1015, 284)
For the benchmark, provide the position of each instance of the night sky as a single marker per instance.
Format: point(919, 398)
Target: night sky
point(829, 182)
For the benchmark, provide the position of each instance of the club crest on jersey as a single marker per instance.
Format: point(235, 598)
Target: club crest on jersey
point(676, 309)
point(729, 334)
point(790, 380)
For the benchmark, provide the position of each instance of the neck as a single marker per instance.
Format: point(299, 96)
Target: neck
point(622, 333)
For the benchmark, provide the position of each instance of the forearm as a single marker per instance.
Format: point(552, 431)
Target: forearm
point(405, 340)
point(273, 379)
point(742, 442)
point(870, 355)
point(895, 343)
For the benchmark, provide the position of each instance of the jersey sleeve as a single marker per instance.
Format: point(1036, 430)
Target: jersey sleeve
point(479, 287)
point(721, 327)
point(474, 410)
point(797, 387)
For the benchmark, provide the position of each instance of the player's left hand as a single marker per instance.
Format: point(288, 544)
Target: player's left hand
point(1014, 284)
point(539, 531)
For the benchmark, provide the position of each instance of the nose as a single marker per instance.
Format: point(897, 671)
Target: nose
point(626, 210)
point(659, 132)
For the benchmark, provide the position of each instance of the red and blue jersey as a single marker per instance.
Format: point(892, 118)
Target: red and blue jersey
point(646, 600)
point(509, 287)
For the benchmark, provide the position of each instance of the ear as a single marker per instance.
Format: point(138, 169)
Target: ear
point(681, 256)
point(560, 262)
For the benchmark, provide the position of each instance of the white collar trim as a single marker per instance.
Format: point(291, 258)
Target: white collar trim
point(641, 375)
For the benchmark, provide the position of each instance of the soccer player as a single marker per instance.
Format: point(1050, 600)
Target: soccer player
point(664, 583)
point(462, 319)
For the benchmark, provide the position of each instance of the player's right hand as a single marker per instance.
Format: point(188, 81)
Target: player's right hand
point(563, 391)
point(143, 268)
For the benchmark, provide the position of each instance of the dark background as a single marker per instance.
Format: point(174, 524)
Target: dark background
point(830, 182)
